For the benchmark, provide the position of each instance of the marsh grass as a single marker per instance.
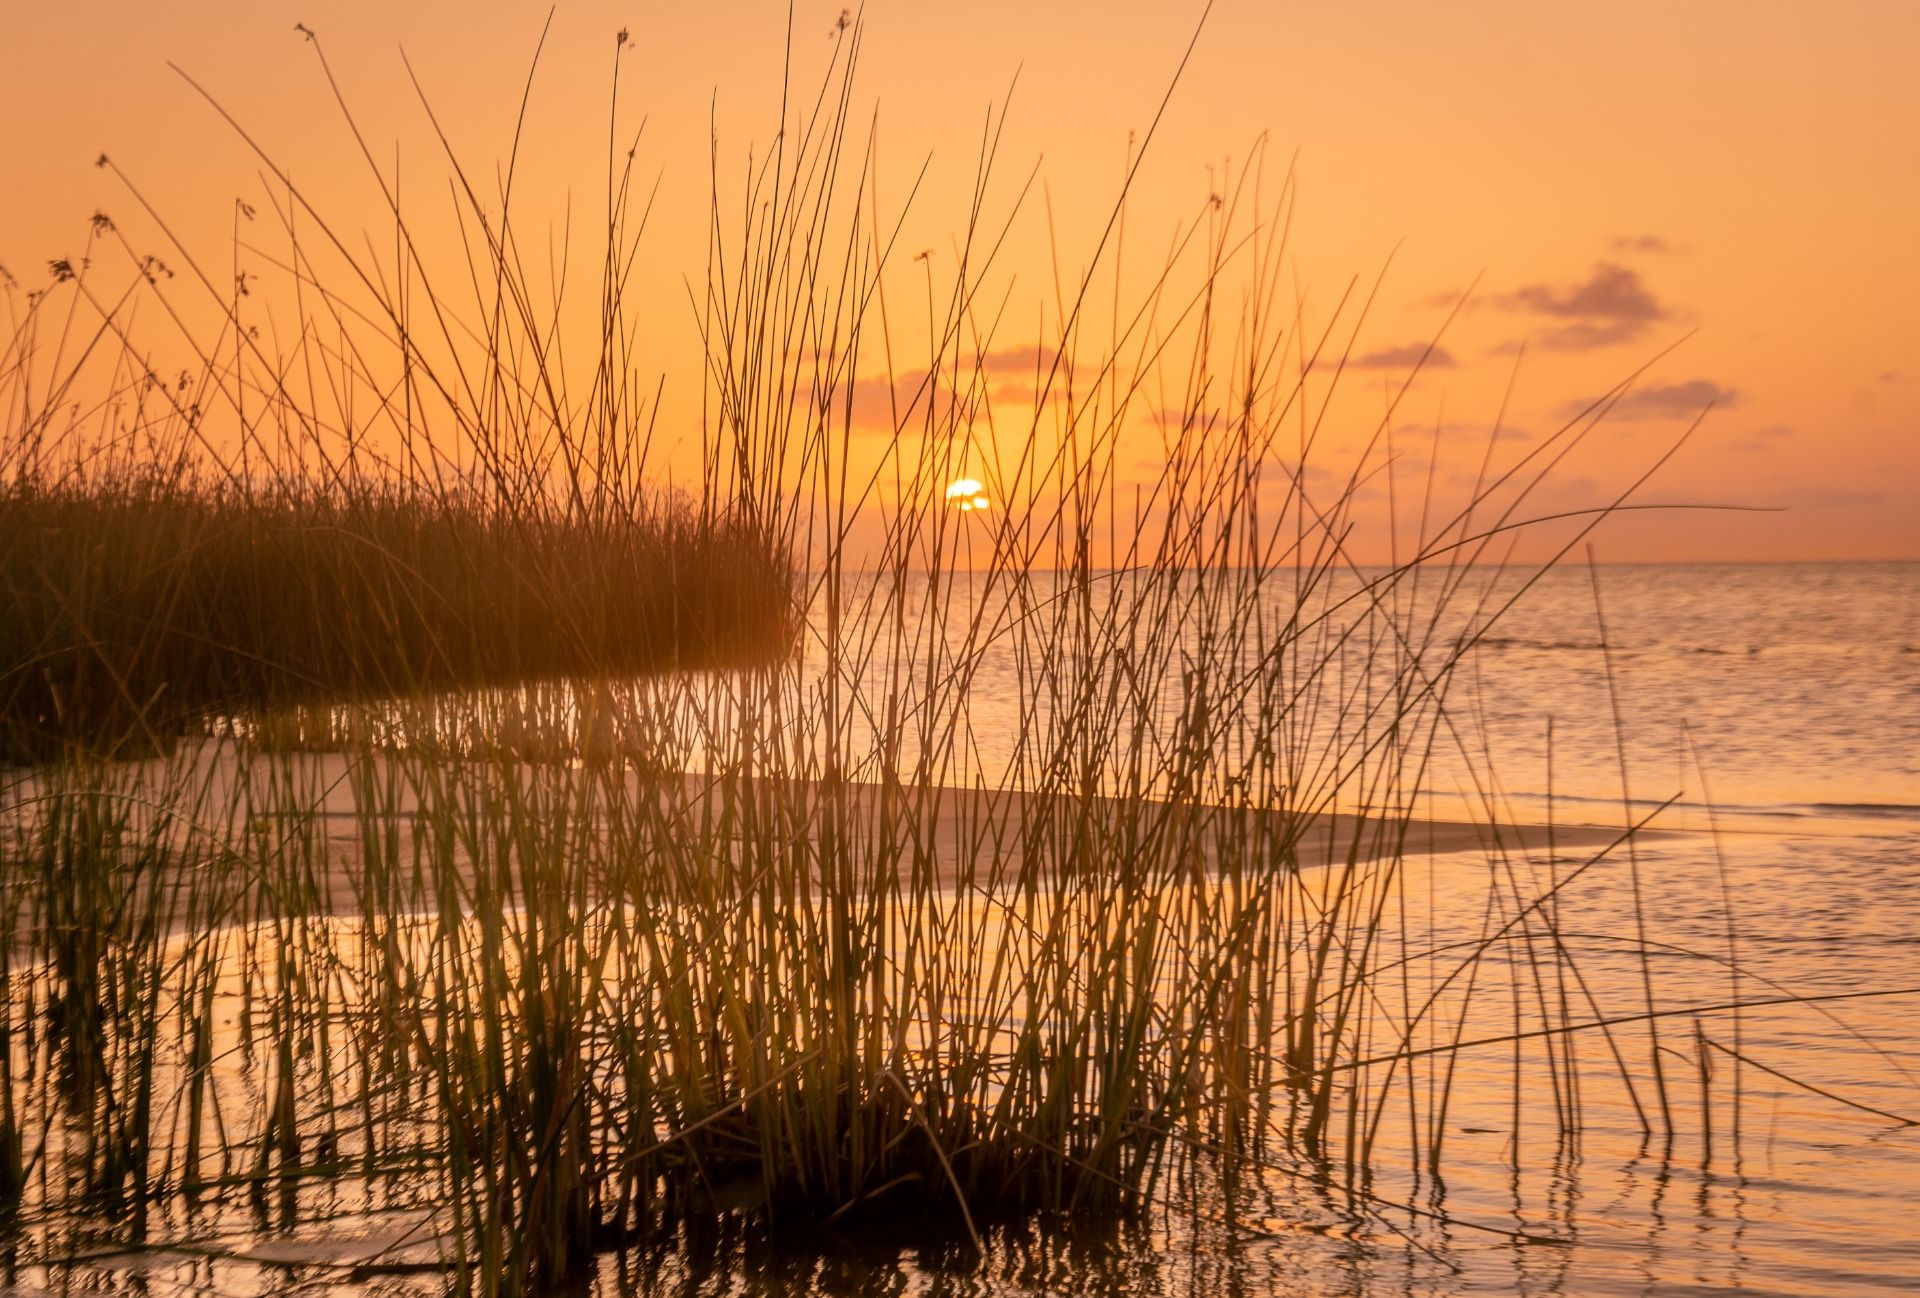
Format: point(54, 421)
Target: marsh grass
point(134, 610)
point(579, 953)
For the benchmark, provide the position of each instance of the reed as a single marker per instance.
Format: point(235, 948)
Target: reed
point(136, 609)
point(522, 919)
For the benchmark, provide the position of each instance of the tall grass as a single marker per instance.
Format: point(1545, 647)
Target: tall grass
point(134, 609)
point(794, 938)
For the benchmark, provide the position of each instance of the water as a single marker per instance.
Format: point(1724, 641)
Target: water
point(1768, 691)
point(1776, 704)
point(1779, 705)
point(1800, 686)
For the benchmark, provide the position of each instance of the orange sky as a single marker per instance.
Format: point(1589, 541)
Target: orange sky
point(1616, 176)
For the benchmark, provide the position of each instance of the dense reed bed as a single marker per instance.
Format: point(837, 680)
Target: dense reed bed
point(787, 938)
point(134, 609)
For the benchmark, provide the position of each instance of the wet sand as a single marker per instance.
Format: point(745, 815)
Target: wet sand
point(938, 837)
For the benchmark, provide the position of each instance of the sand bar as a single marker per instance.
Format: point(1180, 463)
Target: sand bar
point(826, 836)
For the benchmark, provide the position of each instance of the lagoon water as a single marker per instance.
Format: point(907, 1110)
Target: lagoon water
point(1778, 705)
point(1781, 694)
point(1773, 714)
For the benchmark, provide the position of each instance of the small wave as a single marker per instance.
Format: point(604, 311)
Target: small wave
point(1642, 806)
point(1523, 642)
point(1765, 810)
point(1868, 808)
point(1772, 811)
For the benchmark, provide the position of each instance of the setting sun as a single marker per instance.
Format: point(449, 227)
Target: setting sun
point(967, 495)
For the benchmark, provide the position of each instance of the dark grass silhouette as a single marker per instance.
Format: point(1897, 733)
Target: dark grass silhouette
point(134, 610)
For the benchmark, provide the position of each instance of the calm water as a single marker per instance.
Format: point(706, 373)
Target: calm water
point(1800, 685)
point(1781, 703)
point(1783, 691)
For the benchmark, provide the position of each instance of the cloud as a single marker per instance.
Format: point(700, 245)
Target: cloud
point(1641, 243)
point(1558, 493)
point(1764, 439)
point(1172, 418)
point(1445, 301)
point(1018, 360)
point(1612, 305)
point(1405, 357)
point(1664, 401)
point(1831, 497)
point(1458, 432)
point(876, 403)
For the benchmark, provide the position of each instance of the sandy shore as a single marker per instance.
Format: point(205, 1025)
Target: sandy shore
point(942, 837)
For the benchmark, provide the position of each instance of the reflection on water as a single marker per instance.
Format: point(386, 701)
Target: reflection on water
point(1799, 684)
point(1784, 1192)
point(1792, 1171)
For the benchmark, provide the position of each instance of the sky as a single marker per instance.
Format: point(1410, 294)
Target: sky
point(1721, 192)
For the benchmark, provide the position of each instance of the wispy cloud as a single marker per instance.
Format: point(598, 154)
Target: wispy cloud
point(1458, 432)
point(1611, 305)
point(878, 403)
point(1018, 360)
point(1404, 357)
point(1652, 243)
point(1664, 400)
point(1764, 439)
point(1818, 497)
point(1446, 301)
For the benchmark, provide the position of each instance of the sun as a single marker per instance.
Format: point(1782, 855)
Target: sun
point(967, 495)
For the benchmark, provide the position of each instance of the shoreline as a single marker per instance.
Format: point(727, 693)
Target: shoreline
point(939, 837)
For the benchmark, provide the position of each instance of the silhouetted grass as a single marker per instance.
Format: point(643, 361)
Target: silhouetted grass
point(133, 610)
